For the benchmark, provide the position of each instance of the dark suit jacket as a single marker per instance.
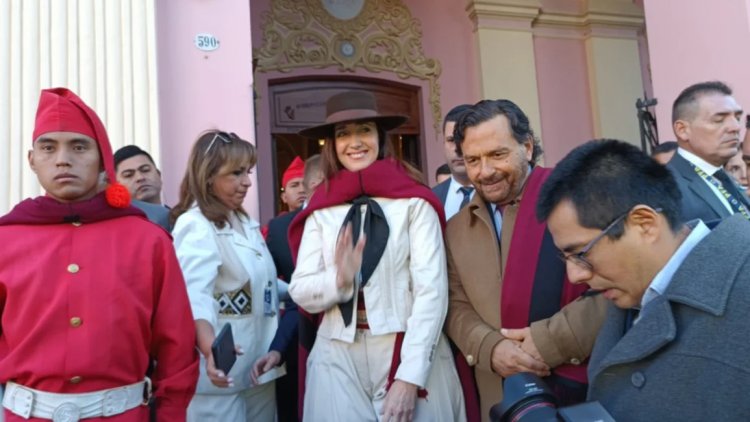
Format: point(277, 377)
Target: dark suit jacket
point(287, 335)
point(687, 357)
point(158, 214)
point(278, 245)
point(698, 200)
point(441, 190)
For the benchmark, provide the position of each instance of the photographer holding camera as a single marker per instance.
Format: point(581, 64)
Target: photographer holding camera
point(674, 345)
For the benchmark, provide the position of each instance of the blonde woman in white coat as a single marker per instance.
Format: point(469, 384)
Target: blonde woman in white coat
point(230, 278)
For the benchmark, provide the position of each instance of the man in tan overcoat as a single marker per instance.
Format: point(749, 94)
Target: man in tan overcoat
point(508, 290)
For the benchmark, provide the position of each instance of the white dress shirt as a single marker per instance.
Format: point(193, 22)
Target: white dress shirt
point(497, 216)
point(662, 279)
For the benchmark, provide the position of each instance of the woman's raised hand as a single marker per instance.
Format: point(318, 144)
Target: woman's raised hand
point(348, 257)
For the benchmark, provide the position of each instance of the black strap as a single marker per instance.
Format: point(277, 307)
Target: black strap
point(736, 197)
point(728, 183)
point(376, 231)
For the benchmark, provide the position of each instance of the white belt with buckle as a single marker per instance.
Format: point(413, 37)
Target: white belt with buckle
point(27, 402)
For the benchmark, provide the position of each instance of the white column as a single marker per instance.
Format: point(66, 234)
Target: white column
point(104, 51)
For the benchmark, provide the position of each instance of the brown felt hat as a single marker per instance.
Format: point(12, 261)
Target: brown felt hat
point(352, 106)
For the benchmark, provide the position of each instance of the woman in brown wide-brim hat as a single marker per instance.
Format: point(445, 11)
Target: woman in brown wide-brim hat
point(371, 260)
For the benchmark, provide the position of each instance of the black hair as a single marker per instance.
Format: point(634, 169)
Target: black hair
point(663, 147)
point(129, 151)
point(444, 169)
point(330, 163)
point(604, 179)
point(382, 141)
point(488, 109)
point(685, 102)
point(455, 113)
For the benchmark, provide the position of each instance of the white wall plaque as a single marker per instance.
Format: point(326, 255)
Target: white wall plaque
point(206, 42)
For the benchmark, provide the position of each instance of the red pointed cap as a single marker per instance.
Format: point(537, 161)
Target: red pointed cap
point(294, 171)
point(60, 110)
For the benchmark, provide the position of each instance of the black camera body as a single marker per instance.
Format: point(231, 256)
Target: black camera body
point(526, 398)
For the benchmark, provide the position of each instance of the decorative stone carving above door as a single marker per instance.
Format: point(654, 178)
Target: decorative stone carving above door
point(376, 35)
point(343, 9)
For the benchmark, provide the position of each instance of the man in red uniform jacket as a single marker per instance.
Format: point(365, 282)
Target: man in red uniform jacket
point(90, 291)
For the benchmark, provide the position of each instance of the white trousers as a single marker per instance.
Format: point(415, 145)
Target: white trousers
point(251, 405)
point(346, 382)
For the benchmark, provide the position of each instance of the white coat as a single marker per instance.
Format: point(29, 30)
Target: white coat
point(407, 292)
point(216, 260)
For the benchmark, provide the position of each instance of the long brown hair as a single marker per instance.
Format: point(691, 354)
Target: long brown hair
point(331, 165)
point(213, 151)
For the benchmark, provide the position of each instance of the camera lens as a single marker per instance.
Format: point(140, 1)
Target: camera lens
point(526, 398)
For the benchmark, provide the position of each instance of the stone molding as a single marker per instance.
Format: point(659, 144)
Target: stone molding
point(382, 37)
point(607, 18)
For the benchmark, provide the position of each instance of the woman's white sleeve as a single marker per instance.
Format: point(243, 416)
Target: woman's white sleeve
point(430, 283)
point(313, 285)
point(199, 259)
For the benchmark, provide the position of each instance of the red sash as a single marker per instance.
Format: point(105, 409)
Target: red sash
point(522, 272)
point(46, 210)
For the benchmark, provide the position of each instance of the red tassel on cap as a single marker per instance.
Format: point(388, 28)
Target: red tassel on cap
point(117, 195)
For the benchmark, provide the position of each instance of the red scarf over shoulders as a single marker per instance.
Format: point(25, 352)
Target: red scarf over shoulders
point(384, 178)
point(46, 210)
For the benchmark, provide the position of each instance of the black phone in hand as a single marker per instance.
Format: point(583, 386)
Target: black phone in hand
point(223, 349)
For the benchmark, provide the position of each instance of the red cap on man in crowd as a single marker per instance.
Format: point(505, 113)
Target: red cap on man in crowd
point(60, 110)
point(294, 171)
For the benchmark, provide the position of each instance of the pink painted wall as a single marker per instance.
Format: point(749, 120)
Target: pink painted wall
point(564, 102)
point(447, 36)
point(645, 57)
point(202, 90)
point(692, 41)
point(563, 83)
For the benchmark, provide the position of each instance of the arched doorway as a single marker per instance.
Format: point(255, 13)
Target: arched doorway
point(298, 103)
